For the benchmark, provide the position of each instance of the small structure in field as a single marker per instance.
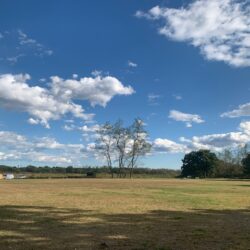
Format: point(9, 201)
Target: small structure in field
point(9, 176)
point(1, 176)
point(20, 176)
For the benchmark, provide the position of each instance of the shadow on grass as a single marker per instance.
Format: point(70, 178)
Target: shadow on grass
point(228, 179)
point(34, 227)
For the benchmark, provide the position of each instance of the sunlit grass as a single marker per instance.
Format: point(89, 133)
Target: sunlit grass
point(124, 214)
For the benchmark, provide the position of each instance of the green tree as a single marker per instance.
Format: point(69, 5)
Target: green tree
point(246, 165)
point(199, 164)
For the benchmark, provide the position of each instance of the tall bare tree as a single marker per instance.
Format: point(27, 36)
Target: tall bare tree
point(105, 144)
point(123, 144)
point(140, 146)
point(121, 140)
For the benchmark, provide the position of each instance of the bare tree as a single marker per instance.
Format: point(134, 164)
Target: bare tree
point(121, 138)
point(140, 146)
point(105, 144)
point(123, 145)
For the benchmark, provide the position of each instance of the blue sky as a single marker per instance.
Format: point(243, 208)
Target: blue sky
point(182, 66)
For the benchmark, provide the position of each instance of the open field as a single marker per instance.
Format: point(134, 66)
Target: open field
point(124, 214)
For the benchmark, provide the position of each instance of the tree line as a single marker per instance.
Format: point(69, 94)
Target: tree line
point(230, 163)
point(121, 148)
point(95, 171)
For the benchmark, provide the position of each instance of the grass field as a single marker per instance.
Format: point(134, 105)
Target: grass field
point(124, 214)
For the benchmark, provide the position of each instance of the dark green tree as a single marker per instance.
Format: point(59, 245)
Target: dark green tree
point(246, 165)
point(199, 164)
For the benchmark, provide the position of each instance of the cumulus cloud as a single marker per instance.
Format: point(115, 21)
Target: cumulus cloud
point(33, 121)
point(86, 128)
point(88, 132)
point(51, 159)
point(217, 142)
point(98, 91)
point(6, 156)
point(51, 104)
point(245, 127)
point(15, 93)
point(214, 142)
point(9, 139)
point(41, 150)
point(168, 146)
point(242, 110)
point(185, 117)
point(219, 28)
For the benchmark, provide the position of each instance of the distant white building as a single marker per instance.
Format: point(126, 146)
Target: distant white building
point(9, 176)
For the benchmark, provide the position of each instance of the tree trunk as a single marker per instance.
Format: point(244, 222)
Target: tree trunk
point(131, 172)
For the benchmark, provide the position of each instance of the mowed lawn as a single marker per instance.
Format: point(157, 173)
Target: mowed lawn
point(124, 214)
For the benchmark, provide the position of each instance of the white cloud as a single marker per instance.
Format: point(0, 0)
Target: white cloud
point(51, 159)
point(69, 121)
point(6, 156)
point(219, 28)
point(38, 48)
point(98, 91)
point(48, 143)
point(51, 104)
point(69, 127)
point(42, 80)
point(185, 117)
point(48, 52)
point(96, 73)
point(214, 142)
point(44, 150)
point(74, 76)
point(10, 139)
point(14, 59)
point(33, 121)
point(177, 97)
point(153, 99)
point(24, 39)
point(88, 132)
point(242, 110)
point(17, 44)
point(15, 93)
point(132, 64)
point(245, 127)
point(168, 146)
point(86, 128)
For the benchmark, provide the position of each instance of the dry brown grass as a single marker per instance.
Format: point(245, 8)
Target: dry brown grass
point(124, 214)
